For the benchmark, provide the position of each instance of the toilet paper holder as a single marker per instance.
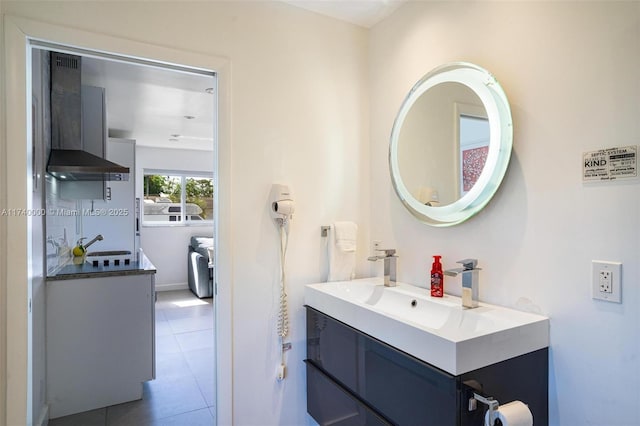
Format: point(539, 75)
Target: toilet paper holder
point(489, 401)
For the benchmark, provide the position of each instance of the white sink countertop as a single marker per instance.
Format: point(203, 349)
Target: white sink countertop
point(436, 330)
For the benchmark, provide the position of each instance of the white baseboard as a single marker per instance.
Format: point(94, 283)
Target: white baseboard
point(172, 286)
point(43, 419)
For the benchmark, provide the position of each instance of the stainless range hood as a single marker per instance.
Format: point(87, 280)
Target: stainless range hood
point(78, 126)
point(74, 164)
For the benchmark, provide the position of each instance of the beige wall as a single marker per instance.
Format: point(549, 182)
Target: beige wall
point(571, 71)
point(3, 242)
point(299, 108)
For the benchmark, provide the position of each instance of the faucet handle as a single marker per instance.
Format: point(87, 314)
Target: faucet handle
point(468, 264)
point(388, 252)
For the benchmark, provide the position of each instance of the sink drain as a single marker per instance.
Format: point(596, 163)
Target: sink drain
point(414, 303)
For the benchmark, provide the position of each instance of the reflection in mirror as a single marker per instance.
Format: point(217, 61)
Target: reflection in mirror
point(450, 144)
point(438, 132)
point(473, 141)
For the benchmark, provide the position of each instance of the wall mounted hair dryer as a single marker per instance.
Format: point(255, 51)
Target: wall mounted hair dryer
point(282, 208)
point(282, 204)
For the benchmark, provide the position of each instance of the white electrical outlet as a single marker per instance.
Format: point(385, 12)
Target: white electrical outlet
point(606, 281)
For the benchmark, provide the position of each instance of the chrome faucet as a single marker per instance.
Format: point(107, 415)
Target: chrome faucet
point(98, 237)
point(470, 281)
point(389, 258)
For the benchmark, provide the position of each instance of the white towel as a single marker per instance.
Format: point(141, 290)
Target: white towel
point(342, 251)
point(346, 234)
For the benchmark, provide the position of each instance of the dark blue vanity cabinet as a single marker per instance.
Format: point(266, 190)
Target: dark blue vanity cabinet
point(355, 379)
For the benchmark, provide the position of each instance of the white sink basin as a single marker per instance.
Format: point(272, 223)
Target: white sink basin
point(436, 330)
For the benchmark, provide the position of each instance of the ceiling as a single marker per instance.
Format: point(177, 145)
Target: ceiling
point(365, 13)
point(151, 104)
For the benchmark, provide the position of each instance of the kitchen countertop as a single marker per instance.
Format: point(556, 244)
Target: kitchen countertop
point(71, 271)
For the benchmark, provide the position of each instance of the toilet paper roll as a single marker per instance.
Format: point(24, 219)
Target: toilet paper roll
point(515, 413)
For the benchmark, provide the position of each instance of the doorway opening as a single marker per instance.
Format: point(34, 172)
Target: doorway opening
point(168, 114)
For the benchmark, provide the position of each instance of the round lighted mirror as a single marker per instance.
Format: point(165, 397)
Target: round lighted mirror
point(451, 144)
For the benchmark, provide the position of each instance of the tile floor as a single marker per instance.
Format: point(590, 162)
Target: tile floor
point(183, 393)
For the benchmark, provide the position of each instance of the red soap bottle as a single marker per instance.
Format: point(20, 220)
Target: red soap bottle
point(437, 280)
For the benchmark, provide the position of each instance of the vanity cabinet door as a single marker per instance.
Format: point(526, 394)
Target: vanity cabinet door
point(406, 390)
point(331, 404)
point(401, 388)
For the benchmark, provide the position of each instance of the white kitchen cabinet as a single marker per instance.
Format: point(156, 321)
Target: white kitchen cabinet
point(100, 341)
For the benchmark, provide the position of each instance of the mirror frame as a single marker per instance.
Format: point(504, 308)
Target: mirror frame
point(495, 102)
